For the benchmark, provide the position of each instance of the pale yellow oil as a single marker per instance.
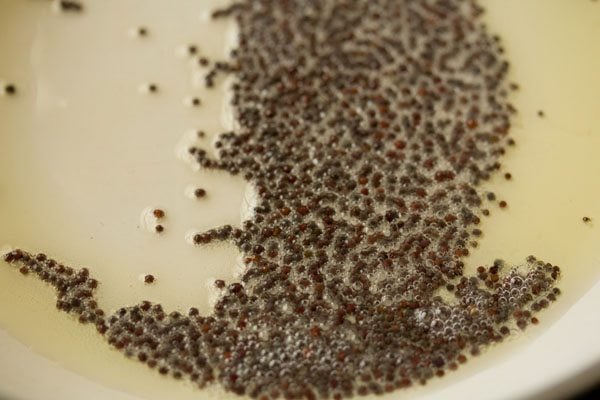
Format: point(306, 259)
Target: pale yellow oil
point(84, 153)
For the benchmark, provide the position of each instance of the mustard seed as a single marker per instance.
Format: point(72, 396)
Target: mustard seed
point(158, 213)
point(10, 89)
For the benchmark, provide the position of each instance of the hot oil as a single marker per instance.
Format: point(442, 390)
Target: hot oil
point(552, 189)
point(77, 175)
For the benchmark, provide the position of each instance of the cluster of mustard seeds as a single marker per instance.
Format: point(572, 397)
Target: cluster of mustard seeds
point(366, 127)
point(75, 288)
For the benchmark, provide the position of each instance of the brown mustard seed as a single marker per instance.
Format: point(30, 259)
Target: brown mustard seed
point(158, 213)
point(70, 6)
point(159, 228)
point(199, 193)
point(191, 49)
point(10, 89)
point(219, 283)
point(149, 278)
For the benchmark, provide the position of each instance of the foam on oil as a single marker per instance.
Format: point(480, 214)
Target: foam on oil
point(84, 153)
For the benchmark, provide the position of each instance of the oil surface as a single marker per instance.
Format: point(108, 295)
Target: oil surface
point(83, 200)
